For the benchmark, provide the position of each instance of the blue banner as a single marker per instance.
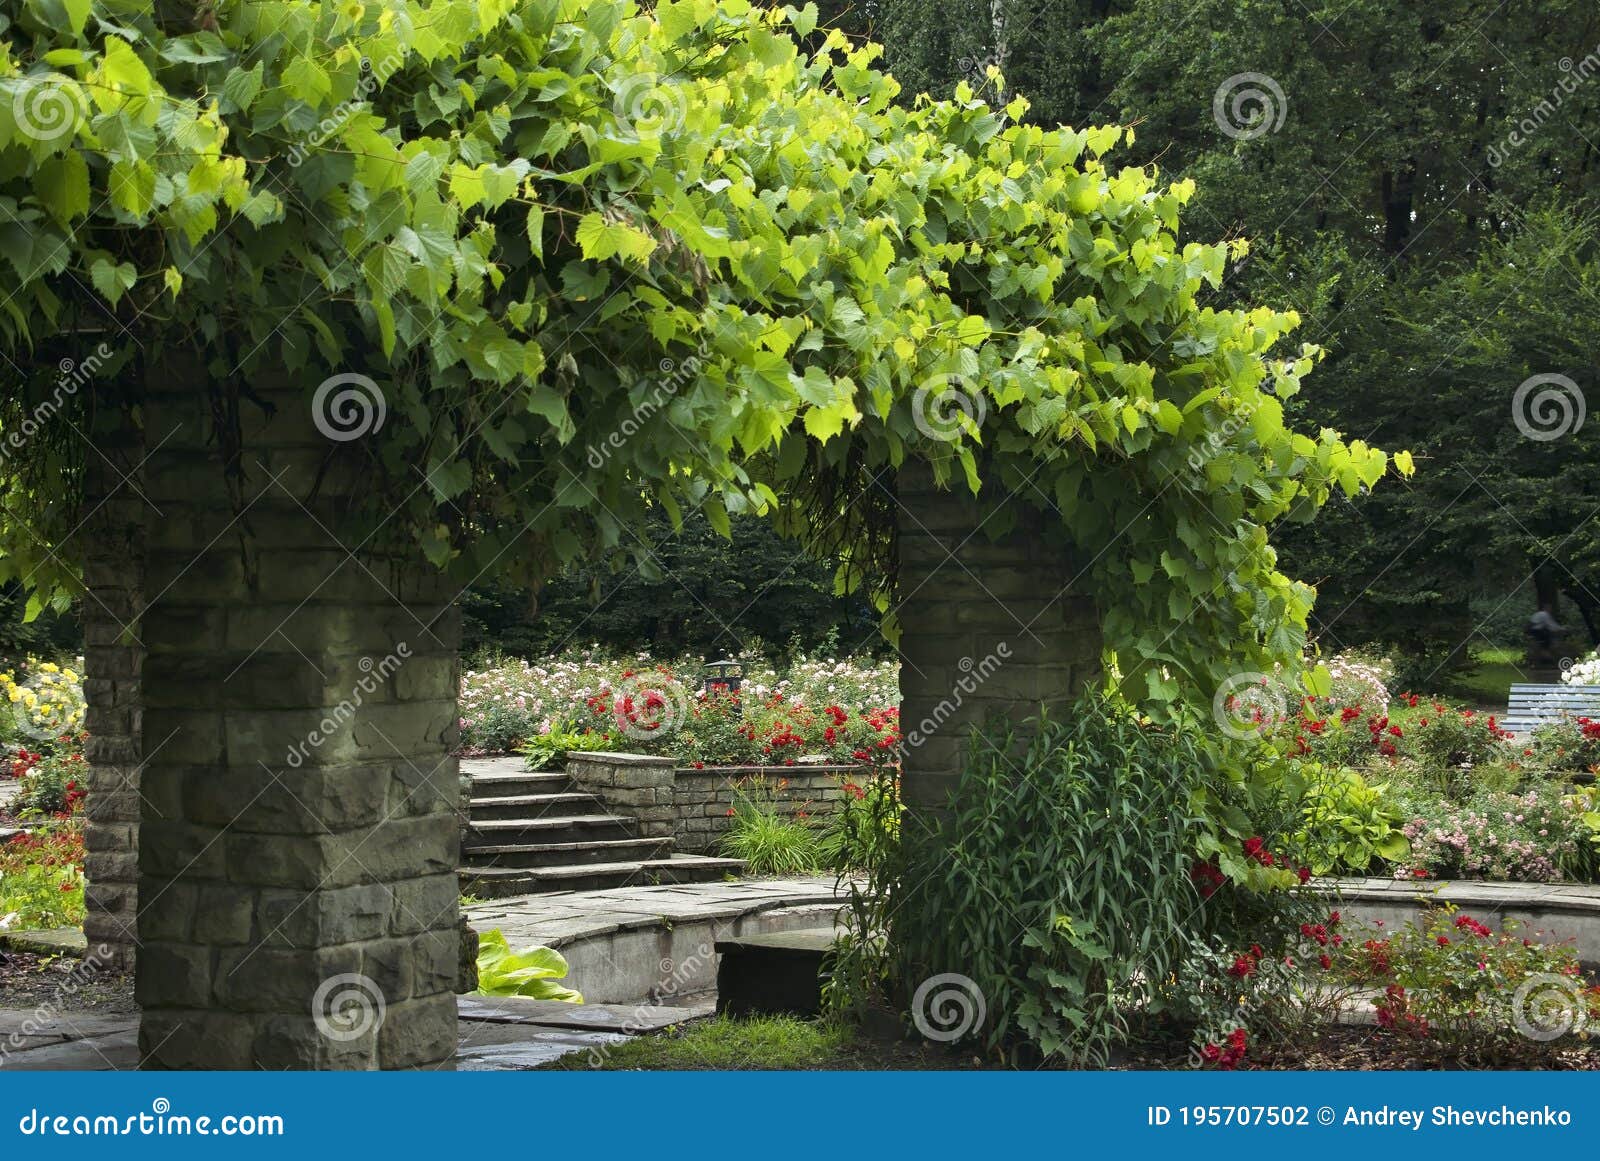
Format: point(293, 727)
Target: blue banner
point(798, 1114)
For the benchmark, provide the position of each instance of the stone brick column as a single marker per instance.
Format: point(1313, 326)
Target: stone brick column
point(111, 540)
point(298, 845)
point(987, 625)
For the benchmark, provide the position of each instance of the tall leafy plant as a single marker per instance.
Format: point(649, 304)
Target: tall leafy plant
point(1059, 880)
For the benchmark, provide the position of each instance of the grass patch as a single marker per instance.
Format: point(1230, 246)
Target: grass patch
point(780, 1043)
point(1487, 684)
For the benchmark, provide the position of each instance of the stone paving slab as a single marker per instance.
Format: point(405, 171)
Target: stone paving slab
point(525, 1052)
point(496, 1033)
point(554, 920)
point(38, 1022)
point(49, 941)
point(584, 1017)
point(116, 1052)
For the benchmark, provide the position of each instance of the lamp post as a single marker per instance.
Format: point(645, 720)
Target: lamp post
point(724, 676)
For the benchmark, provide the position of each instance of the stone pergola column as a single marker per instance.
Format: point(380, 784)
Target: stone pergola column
point(988, 625)
point(298, 835)
point(111, 535)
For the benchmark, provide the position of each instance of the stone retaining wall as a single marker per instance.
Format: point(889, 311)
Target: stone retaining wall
point(636, 786)
point(692, 806)
point(1551, 912)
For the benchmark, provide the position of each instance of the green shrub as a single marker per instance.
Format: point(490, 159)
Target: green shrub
point(41, 877)
point(549, 750)
point(1533, 836)
point(1456, 985)
point(54, 784)
point(865, 830)
point(1569, 745)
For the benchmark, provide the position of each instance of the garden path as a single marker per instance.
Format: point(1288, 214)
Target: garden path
point(496, 1033)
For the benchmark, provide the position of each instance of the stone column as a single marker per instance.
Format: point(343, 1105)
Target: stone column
point(987, 625)
point(111, 538)
point(298, 845)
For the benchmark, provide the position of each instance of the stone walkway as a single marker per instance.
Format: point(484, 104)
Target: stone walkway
point(558, 919)
point(496, 1033)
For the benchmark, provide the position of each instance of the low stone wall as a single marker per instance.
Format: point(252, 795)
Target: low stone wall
point(692, 806)
point(636, 786)
point(1550, 912)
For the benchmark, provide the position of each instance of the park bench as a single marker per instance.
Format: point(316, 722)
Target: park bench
point(1533, 705)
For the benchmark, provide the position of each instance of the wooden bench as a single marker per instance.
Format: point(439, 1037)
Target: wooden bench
point(1533, 705)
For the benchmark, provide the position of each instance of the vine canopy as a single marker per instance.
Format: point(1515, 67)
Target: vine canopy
point(596, 259)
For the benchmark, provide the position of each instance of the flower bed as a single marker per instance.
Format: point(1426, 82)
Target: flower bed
point(1434, 790)
point(844, 711)
point(1446, 986)
point(41, 723)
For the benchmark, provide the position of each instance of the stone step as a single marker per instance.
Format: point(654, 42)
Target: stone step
point(492, 882)
point(559, 828)
point(520, 782)
point(531, 805)
point(563, 854)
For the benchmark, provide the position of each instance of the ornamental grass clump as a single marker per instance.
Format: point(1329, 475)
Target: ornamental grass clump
point(770, 841)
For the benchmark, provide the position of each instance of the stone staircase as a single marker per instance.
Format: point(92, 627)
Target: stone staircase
point(537, 832)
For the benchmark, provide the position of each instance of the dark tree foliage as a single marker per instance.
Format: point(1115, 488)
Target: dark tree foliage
point(709, 594)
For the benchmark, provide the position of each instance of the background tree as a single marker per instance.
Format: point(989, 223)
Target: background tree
point(705, 593)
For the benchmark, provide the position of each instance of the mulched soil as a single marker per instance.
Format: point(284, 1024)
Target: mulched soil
point(1371, 1049)
point(34, 981)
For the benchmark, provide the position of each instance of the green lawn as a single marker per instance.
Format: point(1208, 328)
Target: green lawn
point(781, 1043)
point(1488, 683)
